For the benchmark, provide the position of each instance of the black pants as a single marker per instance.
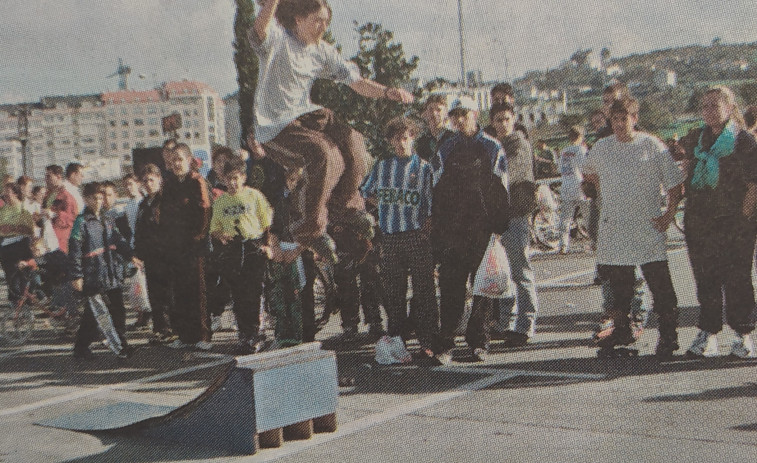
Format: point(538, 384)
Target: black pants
point(159, 293)
point(403, 254)
point(243, 270)
point(88, 330)
point(619, 281)
point(457, 267)
point(190, 318)
point(10, 256)
point(721, 252)
point(308, 298)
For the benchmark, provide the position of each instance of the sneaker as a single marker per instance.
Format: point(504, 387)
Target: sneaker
point(398, 350)
point(426, 357)
point(215, 323)
point(445, 357)
point(514, 339)
point(704, 345)
point(480, 354)
point(204, 346)
point(83, 354)
point(742, 347)
point(126, 352)
point(383, 354)
point(178, 344)
point(665, 348)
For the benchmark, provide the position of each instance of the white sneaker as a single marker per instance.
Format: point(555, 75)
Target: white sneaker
point(215, 323)
point(383, 351)
point(228, 321)
point(742, 347)
point(704, 345)
point(399, 351)
point(178, 344)
point(204, 345)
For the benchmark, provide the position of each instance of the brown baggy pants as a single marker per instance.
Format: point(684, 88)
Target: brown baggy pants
point(334, 162)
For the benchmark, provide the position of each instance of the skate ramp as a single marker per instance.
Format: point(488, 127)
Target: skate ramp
point(254, 394)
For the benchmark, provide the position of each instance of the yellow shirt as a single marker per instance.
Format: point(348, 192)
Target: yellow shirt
point(15, 221)
point(248, 211)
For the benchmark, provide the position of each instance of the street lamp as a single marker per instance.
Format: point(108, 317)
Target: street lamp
point(462, 45)
point(22, 113)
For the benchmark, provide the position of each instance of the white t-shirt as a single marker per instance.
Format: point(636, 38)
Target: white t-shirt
point(74, 190)
point(288, 69)
point(570, 163)
point(631, 176)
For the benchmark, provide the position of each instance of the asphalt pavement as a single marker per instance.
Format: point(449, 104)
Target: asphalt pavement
point(550, 401)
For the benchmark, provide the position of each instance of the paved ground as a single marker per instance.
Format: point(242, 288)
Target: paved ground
point(551, 401)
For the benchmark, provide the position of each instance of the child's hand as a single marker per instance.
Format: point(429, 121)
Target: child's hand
point(138, 263)
point(267, 252)
point(78, 285)
point(22, 265)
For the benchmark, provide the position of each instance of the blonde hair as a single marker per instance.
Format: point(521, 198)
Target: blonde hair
point(729, 98)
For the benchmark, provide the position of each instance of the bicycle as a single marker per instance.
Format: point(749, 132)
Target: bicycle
point(545, 222)
point(18, 323)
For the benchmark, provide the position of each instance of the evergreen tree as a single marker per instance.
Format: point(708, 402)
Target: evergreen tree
point(379, 59)
point(246, 63)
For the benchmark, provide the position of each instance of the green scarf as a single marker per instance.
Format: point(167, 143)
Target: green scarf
point(707, 169)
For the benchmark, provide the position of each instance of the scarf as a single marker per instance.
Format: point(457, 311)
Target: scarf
point(707, 169)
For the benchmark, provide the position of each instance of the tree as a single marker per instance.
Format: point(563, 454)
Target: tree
point(568, 120)
point(580, 57)
point(748, 93)
point(246, 63)
point(379, 59)
point(654, 116)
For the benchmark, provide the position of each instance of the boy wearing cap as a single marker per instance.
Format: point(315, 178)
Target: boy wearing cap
point(629, 168)
point(502, 93)
point(470, 204)
point(287, 37)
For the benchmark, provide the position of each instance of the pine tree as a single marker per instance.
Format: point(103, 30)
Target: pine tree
point(379, 59)
point(246, 63)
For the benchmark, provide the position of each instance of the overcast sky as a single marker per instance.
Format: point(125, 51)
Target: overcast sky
point(70, 46)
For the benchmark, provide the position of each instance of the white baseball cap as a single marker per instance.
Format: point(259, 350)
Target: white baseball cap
point(463, 103)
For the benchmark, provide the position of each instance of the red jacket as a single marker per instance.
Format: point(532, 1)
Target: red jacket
point(64, 207)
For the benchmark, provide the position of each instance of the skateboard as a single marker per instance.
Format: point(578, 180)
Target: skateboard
point(610, 345)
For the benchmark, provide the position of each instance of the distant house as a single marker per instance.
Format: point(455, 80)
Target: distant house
point(665, 78)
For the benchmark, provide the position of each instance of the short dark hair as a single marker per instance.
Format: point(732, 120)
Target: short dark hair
point(576, 132)
point(750, 117)
point(73, 168)
point(150, 169)
point(400, 125)
point(170, 142)
point(55, 169)
point(618, 89)
point(289, 10)
point(235, 165)
point(221, 151)
point(23, 180)
point(107, 184)
point(91, 189)
point(37, 189)
point(502, 87)
point(501, 108)
point(625, 105)
point(434, 98)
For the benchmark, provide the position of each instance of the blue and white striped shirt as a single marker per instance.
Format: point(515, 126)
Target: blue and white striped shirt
point(402, 187)
point(479, 141)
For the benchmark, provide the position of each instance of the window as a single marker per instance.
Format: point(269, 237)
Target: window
point(112, 123)
point(113, 134)
point(113, 146)
point(196, 113)
point(187, 135)
point(125, 134)
point(186, 113)
point(153, 121)
point(124, 123)
point(123, 110)
point(212, 129)
point(127, 157)
point(154, 133)
point(140, 134)
point(125, 146)
point(139, 122)
point(140, 145)
point(197, 135)
point(211, 109)
point(152, 110)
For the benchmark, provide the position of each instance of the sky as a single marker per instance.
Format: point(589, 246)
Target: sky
point(71, 46)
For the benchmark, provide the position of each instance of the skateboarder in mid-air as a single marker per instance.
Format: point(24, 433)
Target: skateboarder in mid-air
point(630, 168)
point(301, 136)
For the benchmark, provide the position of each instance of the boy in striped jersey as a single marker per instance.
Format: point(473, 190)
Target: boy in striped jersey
point(401, 186)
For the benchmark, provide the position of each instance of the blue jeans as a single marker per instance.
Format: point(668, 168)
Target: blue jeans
point(518, 313)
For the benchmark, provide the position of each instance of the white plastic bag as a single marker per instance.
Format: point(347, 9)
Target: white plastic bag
point(493, 275)
point(137, 292)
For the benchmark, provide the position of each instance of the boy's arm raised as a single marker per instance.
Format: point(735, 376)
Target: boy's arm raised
point(371, 89)
point(264, 18)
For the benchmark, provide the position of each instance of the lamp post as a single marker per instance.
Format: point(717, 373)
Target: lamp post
point(23, 133)
point(463, 83)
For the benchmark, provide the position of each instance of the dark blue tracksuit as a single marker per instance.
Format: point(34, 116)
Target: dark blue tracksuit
point(93, 248)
